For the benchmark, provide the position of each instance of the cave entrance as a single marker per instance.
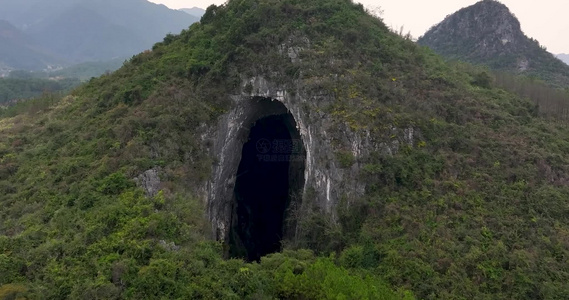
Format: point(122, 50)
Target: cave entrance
point(268, 187)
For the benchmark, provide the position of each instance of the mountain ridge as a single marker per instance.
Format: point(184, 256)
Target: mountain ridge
point(81, 31)
point(194, 11)
point(19, 51)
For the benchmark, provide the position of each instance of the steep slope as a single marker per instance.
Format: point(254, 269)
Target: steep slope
point(488, 33)
point(81, 30)
point(17, 51)
point(417, 175)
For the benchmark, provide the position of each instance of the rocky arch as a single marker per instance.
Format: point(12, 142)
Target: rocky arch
point(259, 177)
point(325, 180)
point(269, 180)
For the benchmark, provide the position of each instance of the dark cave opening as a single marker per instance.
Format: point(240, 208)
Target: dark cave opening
point(269, 182)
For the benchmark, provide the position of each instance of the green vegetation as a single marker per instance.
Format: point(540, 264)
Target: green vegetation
point(475, 207)
point(24, 85)
point(13, 90)
point(30, 106)
point(86, 71)
point(552, 103)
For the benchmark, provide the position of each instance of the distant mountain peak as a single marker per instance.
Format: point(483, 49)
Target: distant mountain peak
point(18, 51)
point(489, 33)
point(78, 31)
point(7, 30)
point(194, 11)
point(486, 28)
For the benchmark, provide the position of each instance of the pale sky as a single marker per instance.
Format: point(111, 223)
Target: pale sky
point(545, 20)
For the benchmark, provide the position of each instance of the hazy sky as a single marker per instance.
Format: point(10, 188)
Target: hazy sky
point(544, 20)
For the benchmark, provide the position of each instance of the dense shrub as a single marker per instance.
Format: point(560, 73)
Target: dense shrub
point(466, 199)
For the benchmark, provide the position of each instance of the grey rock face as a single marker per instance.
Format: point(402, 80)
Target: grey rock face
point(149, 181)
point(488, 33)
point(323, 175)
point(486, 29)
point(325, 179)
point(169, 246)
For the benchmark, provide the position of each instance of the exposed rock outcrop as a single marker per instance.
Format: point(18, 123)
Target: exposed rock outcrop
point(149, 181)
point(326, 179)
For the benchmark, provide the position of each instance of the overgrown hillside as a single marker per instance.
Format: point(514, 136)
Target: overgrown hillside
point(17, 89)
point(488, 33)
point(475, 207)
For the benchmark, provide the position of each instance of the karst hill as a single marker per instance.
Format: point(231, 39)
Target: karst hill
point(284, 149)
point(488, 33)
